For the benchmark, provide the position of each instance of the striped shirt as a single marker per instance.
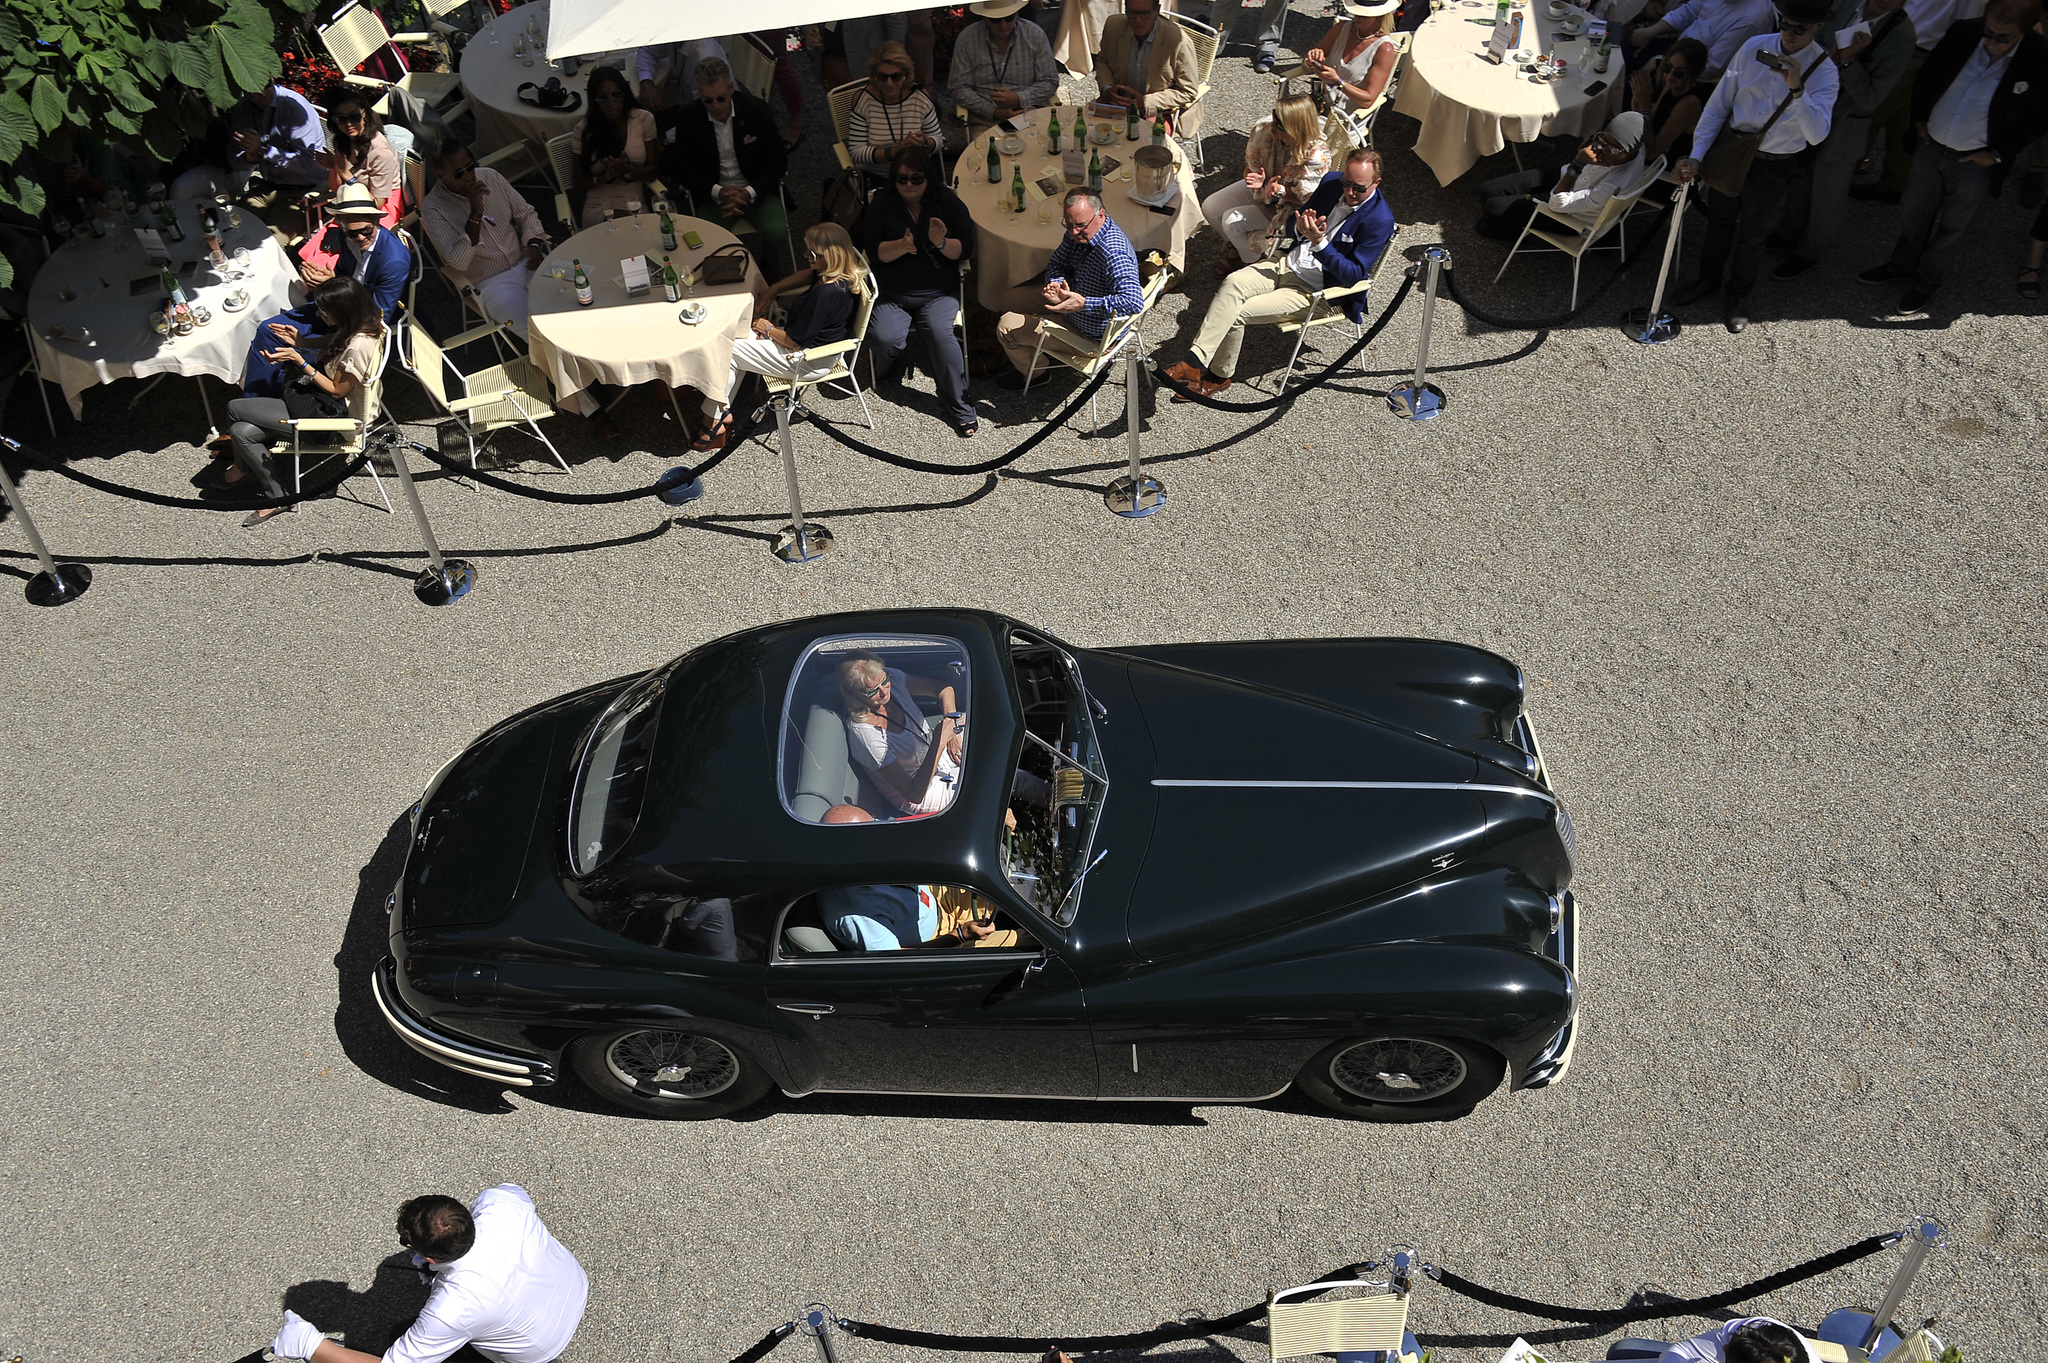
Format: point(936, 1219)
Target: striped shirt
point(872, 125)
point(1104, 271)
point(509, 223)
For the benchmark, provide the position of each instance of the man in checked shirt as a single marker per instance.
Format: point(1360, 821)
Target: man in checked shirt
point(1092, 276)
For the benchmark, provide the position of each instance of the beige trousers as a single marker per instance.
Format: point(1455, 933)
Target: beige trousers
point(1018, 328)
point(1257, 295)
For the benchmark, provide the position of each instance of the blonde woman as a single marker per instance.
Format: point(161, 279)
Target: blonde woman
point(891, 114)
point(1356, 58)
point(823, 315)
point(1284, 160)
point(913, 764)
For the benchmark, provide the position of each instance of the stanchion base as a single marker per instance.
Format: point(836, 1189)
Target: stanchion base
point(446, 587)
point(1416, 404)
point(1638, 325)
point(791, 548)
point(60, 588)
point(1142, 497)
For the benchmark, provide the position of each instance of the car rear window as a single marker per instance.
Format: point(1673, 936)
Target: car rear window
point(874, 729)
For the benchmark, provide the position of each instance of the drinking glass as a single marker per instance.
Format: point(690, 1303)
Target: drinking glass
point(519, 46)
point(609, 225)
point(61, 227)
point(633, 212)
point(1045, 213)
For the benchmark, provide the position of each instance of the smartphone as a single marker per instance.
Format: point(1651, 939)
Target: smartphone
point(1006, 125)
point(1770, 59)
point(1595, 88)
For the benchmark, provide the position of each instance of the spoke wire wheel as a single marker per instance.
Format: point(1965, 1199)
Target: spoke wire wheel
point(672, 1064)
point(1398, 1069)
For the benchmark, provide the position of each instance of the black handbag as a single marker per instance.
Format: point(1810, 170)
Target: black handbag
point(304, 399)
point(727, 265)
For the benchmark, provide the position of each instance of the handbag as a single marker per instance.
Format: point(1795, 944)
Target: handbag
point(1726, 164)
point(845, 201)
point(550, 96)
point(303, 399)
point(727, 265)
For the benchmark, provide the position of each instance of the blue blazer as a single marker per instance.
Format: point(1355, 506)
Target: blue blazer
point(1349, 253)
point(390, 268)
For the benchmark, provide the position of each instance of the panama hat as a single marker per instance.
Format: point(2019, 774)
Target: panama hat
point(1370, 9)
point(354, 201)
point(996, 9)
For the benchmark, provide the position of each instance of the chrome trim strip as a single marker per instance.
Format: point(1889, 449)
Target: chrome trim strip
point(1045, 1097)
point(1360, 785)
point(474, 1060)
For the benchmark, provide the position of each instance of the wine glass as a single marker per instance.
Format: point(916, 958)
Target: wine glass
point(239, 266)
point(633, 212)
point(609, 225)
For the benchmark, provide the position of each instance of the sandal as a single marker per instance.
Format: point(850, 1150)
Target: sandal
point(711, 439)
point(2029, 288)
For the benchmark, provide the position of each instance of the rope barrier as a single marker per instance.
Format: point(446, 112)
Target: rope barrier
point(1046, 430)
point(195, 504)
point(1494, 319)
point(1267, 404)
point(764, 1346)
point(740, 432)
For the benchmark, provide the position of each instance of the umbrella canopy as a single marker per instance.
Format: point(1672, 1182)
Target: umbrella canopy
point(577, 28)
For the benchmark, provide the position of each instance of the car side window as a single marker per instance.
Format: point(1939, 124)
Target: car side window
point(862, 921)
point(717, 927)
point(874, 729)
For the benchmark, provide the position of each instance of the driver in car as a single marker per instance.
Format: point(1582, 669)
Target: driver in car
point(915, 766)
point(896, 917)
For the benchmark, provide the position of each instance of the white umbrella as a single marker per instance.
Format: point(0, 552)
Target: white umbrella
point(578, 28)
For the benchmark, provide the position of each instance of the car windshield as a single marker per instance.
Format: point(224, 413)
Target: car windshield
point(1049, 829)
point(874, 729)
point(612, 776)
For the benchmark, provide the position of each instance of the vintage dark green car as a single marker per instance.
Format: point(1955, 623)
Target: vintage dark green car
point(939, 852)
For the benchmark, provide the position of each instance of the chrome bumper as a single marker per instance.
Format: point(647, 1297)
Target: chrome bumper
point(1563, 947)
point(462, 1056)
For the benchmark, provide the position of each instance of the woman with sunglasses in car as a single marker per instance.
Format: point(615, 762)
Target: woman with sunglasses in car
point(917, 231)
point(615, 147)
point(891, 114)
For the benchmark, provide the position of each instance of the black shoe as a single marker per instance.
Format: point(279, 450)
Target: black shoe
point(1913, 304)
point(1012, 381)
point(1735, 316)
point(1781, 241)
point(1884, 274)
point(967, 432)
point(1791, 267)
point(1878, 194)
point(1693, 293)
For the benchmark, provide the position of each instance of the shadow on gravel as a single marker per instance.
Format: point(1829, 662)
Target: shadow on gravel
point(733, 524)
point(364, 1038)
point(573, 1097)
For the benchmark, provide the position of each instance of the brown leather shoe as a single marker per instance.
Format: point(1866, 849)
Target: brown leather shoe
point(1201, 387)
point(1184, 373)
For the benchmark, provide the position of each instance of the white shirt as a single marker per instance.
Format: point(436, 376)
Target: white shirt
point(1962, 116)
point(728, 155)
point(516, 1297)
point(1597, 184)
point(1302, 259)
point(1932, 18)
point(1751, 92)
point(1723, 25)
point(363, 254)
point(1709, 1347)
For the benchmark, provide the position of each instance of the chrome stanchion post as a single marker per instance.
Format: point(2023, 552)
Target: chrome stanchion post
point(799, 541)
point(443, 581)
point(819, 1323)
point(1133, 494)
point(1418, 399)
point(1923, 1234)
point(1653, 325)
point(58, 583)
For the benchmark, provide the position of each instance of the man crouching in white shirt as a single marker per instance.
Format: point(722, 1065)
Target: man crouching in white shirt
point(502, 1285)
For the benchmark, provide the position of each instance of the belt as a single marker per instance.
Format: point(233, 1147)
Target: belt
point(1776, 155)
point(1955, 151)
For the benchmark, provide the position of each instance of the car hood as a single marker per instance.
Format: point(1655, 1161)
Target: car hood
point(1276, 809)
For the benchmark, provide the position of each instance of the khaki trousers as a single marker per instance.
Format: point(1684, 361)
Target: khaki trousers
point(1023, 318)
point(1258, 295)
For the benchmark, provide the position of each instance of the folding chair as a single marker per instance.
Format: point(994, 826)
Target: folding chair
point(839, 101)
point(458, 283)
point(1205, 42)
point(342, 437)
point(562, 164)
point(507, 395)
point(1376, 1324)
point(1325, 309)
point(33, 366)
point(1577, 238)
point(1091, 355)
point(355, 34)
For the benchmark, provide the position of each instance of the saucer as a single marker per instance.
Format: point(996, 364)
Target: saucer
point(230, 305)
point(691, 315)
point(1011, 146)
point(1102, 139)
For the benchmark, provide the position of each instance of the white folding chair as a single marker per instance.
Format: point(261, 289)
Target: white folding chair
point(509, 395)
point(1190, 118)
point(1372, 1324)
point(33, 366)
point(1089, 356)
point(1326, 308)
point(562, 164)
point(1357, 124)
point(355, 34)
point(341, 437)
point(843, 354)
point(458, 283)
point(839, 100)
point(1577, 237)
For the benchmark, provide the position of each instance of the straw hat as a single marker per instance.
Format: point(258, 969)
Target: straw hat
point(996, 9)
point(354, 201)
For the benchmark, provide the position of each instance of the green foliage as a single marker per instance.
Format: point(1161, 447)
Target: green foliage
point(123, 68)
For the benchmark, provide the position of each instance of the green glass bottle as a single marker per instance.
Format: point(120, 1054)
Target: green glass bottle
point(1159, 129)
point(1052, 133)
point(584, 297)
point(1095, 171)
point(1131, 123)
point(995, 163)
point(670, 285)
point(1017, 186)
point(668, 233)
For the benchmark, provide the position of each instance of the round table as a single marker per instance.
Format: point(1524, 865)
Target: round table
point(122, 343)
point(492, 74)
point(1011, 247)
point(1470, 108)
point(625, 341)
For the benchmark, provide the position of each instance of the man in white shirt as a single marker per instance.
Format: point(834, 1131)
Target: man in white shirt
point(667, 71)
point(1783, 85)
point(1001, 66)
point(1721, 26)
point(502, 1285)
point(1932, 20)
point(1981, 97)
point(485, 230)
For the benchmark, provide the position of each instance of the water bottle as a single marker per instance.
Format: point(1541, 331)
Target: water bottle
point(584, 297)
point(172, 288)
point(1017, 187)
point(1131, 123)
point(668, 233)
point(1052, 133)
point(1095, 171)
point(995, 164)
point(669, 283)
point(1159, 129)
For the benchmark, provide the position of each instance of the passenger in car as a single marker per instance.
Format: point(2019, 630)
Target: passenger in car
point(913, 766)
point(899, 917)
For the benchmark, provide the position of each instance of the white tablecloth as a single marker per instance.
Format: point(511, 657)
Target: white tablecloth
point(1470, 108)
point(122, 343)
point(492, 75)
point(1011, 247)
point(625, 340)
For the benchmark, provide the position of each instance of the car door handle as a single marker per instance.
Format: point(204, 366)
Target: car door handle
point(816, 1010)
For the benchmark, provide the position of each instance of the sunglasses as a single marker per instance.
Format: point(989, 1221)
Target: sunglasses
point(1353, 187)
point(366, 230)
point(718, 99)
point(910, 179)
point(611, 97)
point(1993, 38)
point(873, 691)
point(464, 173)
point(355, 117)
point(892, 75)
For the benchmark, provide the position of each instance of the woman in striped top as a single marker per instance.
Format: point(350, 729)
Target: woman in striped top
point(890, 114)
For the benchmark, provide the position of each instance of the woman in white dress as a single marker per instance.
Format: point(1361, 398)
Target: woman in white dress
point(1356, 58)
point(1284, 160)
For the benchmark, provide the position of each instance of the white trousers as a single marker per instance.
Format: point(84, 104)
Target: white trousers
point(503, 297)
point(758, 355)
point(1232, 211)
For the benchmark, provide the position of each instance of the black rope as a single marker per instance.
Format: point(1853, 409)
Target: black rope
point(1046, 430)
point(137, 494)
point(732, 442)
point(1371, 334)
point(1493, 319)
point(764, 1346)
point(1695, 1306)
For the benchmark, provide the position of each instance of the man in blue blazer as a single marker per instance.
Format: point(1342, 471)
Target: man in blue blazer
point(1340, 231)
point(372, 254)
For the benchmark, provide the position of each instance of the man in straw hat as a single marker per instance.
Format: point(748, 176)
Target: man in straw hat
point(1001, 66)
point(367, 252)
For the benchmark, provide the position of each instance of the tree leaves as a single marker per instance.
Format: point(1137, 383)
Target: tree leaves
point(17, 126)
point(47, 103)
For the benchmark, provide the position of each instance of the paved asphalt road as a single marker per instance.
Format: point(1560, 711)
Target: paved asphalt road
point(1779, 599)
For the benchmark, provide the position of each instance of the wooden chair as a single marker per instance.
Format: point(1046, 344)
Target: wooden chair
point(355, 34)
point(1205, 42)
point(1577, 237)
point(1089, 356)
point(510, 394)
point(341, 437)
point(1375, 1324)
